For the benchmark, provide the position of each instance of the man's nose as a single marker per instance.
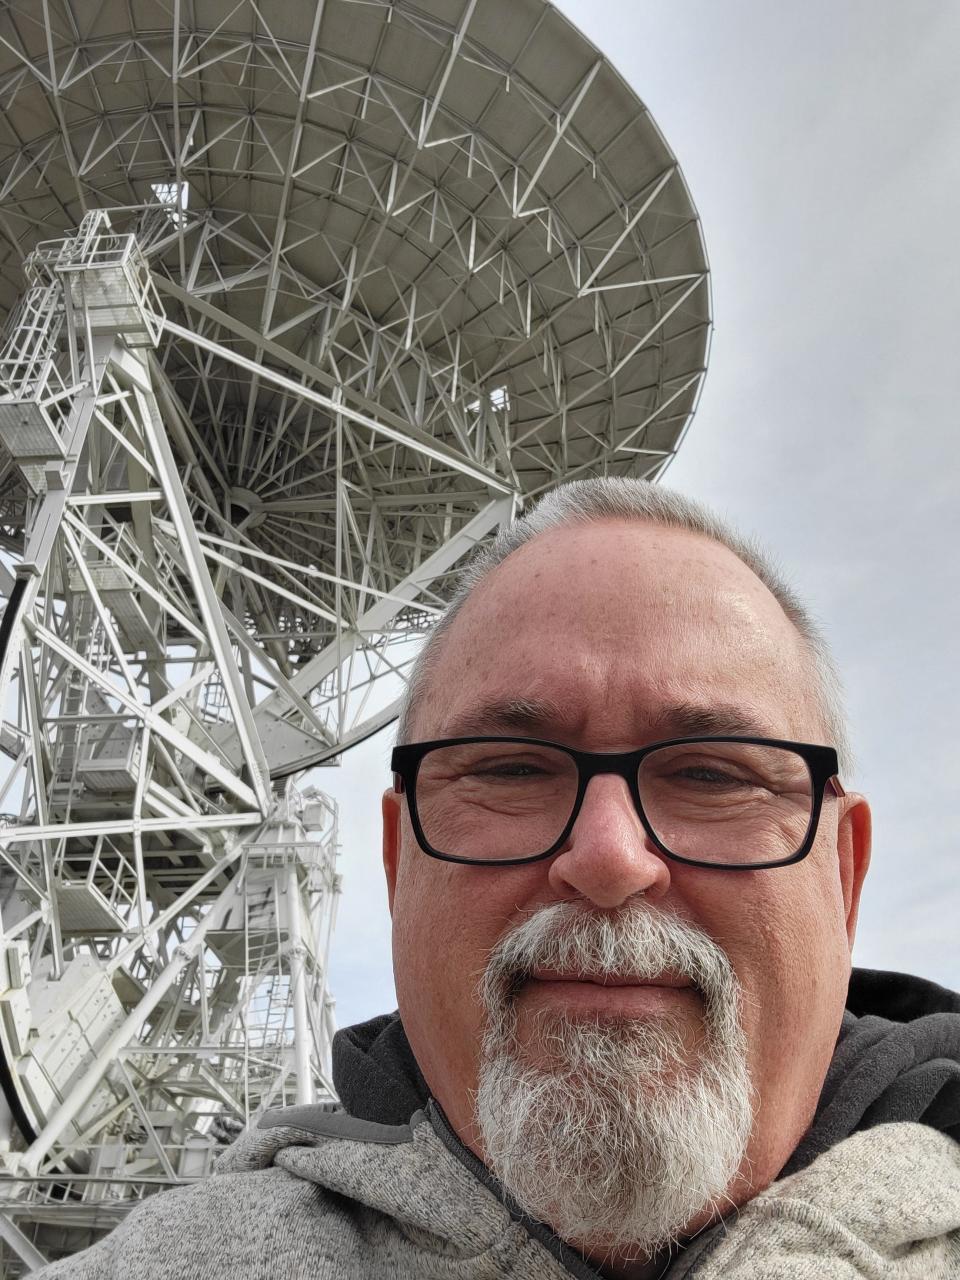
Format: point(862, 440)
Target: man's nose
point(608, 856)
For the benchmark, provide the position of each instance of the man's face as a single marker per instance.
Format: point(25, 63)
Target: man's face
point(611, 636)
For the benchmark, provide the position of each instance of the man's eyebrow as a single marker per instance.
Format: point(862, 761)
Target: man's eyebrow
point(691, 719)
point(526, 716)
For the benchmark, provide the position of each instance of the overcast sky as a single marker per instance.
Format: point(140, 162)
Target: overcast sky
point(820, 143)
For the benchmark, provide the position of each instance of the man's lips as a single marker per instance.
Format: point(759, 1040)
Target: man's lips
point(622, 995)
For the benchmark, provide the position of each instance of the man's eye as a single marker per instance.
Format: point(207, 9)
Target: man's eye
point(506, 769)
point(704, 775)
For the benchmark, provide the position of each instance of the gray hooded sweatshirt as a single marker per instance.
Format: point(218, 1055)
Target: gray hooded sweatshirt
point(356, 1192)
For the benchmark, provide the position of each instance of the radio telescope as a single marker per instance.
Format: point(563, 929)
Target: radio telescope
point(303, 301)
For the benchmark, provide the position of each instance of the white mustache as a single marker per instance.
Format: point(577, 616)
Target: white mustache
point(637, 943)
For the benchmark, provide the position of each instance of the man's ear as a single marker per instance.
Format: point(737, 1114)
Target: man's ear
point(391, 807)
point(853, 848)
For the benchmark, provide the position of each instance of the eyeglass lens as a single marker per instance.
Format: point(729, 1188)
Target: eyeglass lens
point(724, 802)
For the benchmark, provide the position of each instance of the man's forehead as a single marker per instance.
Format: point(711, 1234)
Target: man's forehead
point(612, 581)
point(622, 560)
point(669, 626)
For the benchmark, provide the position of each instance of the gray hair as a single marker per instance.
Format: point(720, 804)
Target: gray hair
point(585, 501)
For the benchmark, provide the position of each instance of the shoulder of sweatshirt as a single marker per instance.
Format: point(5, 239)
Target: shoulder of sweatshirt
point(223, 1228)
point(883, 1204)
point(315, 1196)
point(249, 1217)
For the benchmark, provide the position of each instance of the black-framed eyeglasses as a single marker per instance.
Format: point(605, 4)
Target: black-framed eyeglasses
point(732, 803)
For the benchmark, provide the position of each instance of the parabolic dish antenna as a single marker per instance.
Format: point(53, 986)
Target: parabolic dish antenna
point(304, 300)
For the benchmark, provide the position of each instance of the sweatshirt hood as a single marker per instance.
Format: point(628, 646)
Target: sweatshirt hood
point(897, 1058)
point(375, 1073)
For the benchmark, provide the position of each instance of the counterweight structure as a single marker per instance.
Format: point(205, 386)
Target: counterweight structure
point(302, 303)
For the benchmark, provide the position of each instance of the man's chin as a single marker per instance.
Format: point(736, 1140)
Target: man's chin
point(610, 1136)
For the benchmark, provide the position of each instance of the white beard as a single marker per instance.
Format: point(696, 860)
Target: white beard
point(615, 1139)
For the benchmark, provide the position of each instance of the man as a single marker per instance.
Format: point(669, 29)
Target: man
point(624, 878)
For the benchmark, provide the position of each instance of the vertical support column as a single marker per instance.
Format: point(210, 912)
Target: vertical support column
point(298, 983)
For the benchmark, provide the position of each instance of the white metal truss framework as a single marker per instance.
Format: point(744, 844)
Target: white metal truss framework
point(372, 276)
point(167, 912)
